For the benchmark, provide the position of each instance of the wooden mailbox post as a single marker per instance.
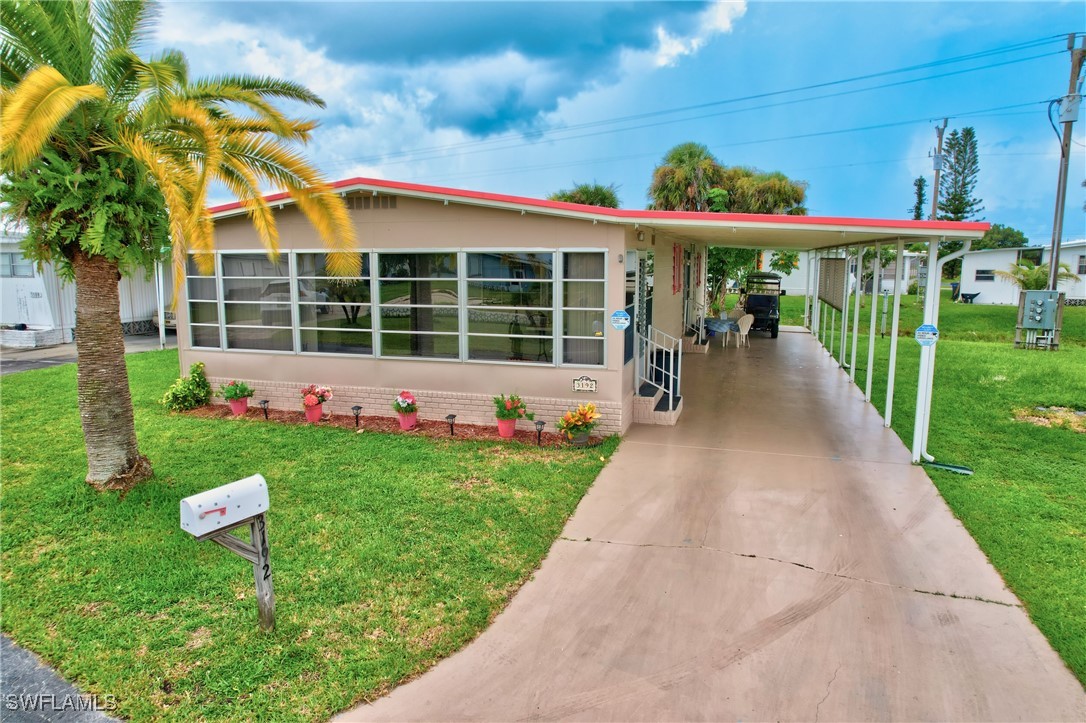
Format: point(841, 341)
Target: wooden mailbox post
point(212, 515)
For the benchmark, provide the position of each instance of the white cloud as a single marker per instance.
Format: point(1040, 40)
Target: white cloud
point(718, 18)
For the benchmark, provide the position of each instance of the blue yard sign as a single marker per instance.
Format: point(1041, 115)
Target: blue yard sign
point(927, 335)
point(620, 320)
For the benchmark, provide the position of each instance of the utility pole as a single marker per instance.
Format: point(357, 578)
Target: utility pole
point(1068, 115)
point(937, 163)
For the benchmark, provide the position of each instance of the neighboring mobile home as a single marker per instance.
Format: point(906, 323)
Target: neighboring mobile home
point(37, 307)
point(979, 271)
point(466, 295)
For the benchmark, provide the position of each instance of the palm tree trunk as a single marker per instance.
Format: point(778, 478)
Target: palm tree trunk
point(105, 402)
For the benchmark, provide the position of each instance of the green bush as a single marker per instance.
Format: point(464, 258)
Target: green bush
point(912, 289)
point(189, 392)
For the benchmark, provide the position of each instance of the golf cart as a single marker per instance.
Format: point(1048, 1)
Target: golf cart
point(762, 294)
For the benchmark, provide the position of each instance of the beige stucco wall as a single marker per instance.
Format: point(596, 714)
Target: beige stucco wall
point(418, 224)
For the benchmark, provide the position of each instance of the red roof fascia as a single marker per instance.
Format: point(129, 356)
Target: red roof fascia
point(632, 215)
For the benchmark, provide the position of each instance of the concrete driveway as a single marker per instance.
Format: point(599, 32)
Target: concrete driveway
point(774, 556)
point(21, 360)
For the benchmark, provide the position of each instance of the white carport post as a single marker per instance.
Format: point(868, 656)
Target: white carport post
point(856, 311)
point(876, 282)
point(160, 301)
point(899, 269)
point(807, 292)
point(926, 378)
point(844, 311)
point(815, 304)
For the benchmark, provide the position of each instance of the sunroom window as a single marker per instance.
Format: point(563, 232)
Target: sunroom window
point(510, 300)
point(419, 305)
point(583, 308)
point(257, 303)
point(334, 314)
point(203, 295)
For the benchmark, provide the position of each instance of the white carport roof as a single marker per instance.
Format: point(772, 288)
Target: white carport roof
point(737, 230)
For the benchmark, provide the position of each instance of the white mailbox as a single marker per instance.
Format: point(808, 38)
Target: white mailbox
point(223, 508)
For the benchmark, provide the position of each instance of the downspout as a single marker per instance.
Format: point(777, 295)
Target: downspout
point(926, 377)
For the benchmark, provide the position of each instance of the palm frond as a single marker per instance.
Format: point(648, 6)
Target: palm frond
point(34, 109)
point(32, 31)
point(326, 211)
point(123, 24)
point(222, 87)
point(246, 188)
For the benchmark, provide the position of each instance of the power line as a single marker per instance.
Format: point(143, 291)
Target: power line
point(441, 151)
point(980, 113)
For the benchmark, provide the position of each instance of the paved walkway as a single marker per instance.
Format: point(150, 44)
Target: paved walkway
point(774, 556)
point(21, 360)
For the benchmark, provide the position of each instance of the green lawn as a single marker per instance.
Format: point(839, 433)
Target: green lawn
point(957, 322)
point(1025, 504)
point(389, 552)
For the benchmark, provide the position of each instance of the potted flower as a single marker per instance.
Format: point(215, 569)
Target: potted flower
point(576, 425)
point(407, 407)
point(237, 394)
point(508, 410)
point(313, 397)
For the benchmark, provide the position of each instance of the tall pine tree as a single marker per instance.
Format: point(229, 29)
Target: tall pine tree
point(961, 164)
point(920, 185)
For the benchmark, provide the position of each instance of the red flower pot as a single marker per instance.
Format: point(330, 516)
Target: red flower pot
point(239, 406)
point(313, 414)
point(409, 420)
point(506, 428)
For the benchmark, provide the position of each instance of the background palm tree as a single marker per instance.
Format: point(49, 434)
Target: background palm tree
point(682, 180)
point(1028, 276)
point(590, 194)
point(107, 159)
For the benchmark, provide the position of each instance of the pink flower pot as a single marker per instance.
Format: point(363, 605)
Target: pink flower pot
point(313, 414)
point(239, 406)
point(409, 420)
point(506, 428)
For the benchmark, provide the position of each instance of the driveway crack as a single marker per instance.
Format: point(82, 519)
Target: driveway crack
point(827, 695)
point(751, 556)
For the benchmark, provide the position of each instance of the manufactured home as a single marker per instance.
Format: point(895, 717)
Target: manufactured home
point(979, 271)
point(464, 295)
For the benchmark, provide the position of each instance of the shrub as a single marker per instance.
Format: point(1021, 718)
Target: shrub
point(511, 407)
point(581, 421)
point(911, 291)
point(188, 392)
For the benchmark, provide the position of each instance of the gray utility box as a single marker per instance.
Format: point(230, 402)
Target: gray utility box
point(1040, 311)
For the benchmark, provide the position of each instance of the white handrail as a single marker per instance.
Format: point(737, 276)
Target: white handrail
point(671, 374)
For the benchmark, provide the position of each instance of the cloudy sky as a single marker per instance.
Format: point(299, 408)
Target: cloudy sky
point(527, 98)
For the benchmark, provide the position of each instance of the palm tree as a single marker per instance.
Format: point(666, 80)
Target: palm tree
point(107, 159)
point(752, 191)
point(1029, 276)
point(589, 194)
point(682, 180)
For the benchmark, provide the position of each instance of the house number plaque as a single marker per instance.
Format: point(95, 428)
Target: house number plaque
point(585, 384)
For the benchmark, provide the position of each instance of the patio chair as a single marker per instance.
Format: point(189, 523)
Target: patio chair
point(741, 336)
point(736, 312)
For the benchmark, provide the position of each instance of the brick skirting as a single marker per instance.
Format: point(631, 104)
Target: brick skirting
point(468, 408)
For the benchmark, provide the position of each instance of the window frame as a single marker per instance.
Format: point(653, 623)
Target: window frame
point(292, 303)
point(298, 328)
point(557, 308)
point(984, 275)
